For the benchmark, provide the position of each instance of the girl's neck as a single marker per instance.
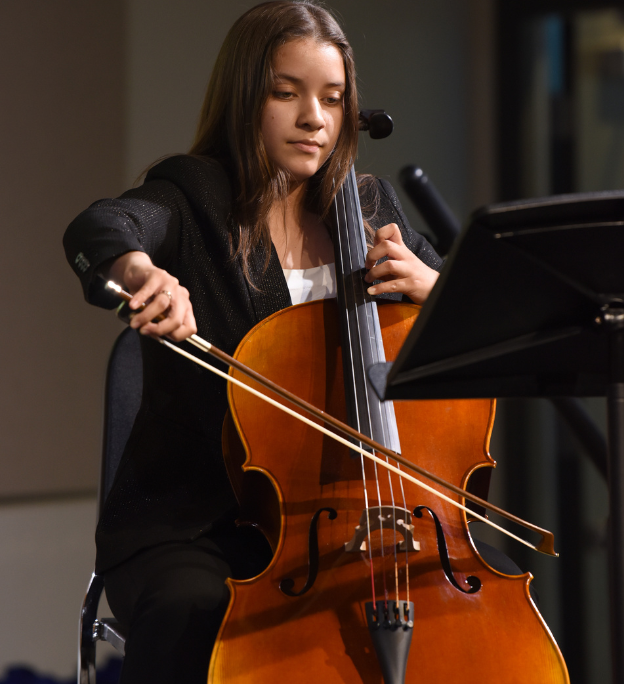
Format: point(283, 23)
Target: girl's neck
point(300, 237)
point(289, 212)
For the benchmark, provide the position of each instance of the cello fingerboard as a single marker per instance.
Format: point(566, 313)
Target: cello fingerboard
point(362, 344)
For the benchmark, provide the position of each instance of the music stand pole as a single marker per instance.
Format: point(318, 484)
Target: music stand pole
point(613, 318)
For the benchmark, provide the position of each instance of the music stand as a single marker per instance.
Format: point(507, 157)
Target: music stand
point(531, 304)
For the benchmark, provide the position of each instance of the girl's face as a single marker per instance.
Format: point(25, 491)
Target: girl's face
point(302, 118)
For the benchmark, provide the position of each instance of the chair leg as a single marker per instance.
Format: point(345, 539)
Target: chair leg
point(86, 665)
point(86, 636)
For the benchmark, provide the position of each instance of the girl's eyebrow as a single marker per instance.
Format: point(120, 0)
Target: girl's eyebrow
point(296, 80)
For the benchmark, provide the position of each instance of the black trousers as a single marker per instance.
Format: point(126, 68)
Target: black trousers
point(173, 598)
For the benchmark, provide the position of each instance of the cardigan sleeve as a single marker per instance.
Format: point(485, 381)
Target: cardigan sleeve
point(145, 219)
point(383, 207)
point(391, 211)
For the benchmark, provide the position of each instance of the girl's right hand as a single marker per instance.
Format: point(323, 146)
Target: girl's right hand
point(162, 293)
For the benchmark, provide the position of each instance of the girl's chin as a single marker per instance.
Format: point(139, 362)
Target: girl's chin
point(301, 174)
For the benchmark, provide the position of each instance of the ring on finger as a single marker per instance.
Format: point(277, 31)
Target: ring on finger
point(166, 292)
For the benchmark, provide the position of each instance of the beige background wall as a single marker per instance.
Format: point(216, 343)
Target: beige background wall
point(61, 146)
point(91, 93)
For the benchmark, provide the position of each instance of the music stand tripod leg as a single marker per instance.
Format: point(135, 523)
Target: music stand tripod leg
point(615, 412)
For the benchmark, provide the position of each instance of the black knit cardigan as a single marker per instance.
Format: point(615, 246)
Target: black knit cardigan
point(171, 483)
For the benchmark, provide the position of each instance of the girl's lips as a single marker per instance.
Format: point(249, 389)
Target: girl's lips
point(309, 148)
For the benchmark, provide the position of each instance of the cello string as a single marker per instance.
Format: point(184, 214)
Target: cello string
point(372, 333)
point(383, 414)
point(355, 251)
point(341, 253)
point(407, 575)
point(346, 254)
point(360, 294)
point(381, 537)
point(394, 532)
point(345, 442)
point(384, 410)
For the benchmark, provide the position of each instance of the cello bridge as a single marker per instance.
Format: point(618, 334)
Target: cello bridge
point(384, 518)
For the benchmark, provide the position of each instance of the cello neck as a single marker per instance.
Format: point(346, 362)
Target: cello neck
point(360, 331)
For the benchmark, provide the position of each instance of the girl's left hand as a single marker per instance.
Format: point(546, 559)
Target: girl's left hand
point(403, 272)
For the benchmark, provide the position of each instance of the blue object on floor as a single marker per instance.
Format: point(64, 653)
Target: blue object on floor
point(109, 674)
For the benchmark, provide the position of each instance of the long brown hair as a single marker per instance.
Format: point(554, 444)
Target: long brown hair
point(229, 126)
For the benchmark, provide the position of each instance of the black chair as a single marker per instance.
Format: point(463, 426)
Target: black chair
point(122, 399)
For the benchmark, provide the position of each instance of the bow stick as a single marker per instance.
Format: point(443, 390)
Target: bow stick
point(546, 544)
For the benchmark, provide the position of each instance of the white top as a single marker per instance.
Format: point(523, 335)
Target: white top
point(308, 284)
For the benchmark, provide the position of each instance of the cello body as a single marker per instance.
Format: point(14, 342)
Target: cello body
point(303, 620)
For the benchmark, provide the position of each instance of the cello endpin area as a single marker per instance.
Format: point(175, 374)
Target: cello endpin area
point(391, 637)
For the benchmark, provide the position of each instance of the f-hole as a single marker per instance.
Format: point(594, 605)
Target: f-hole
point(286, 585)
point(473, 582)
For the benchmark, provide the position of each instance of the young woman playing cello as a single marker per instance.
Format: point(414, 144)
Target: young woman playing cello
point(217, 240)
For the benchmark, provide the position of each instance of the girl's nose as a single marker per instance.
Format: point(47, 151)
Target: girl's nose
point(311, 115)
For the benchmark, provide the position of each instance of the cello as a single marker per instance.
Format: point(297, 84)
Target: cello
point(372, 579)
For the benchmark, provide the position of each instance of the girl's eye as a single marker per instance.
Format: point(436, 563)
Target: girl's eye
point(333, 100)
point(282, 94)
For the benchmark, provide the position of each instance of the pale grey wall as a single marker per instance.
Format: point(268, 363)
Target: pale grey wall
point(46, 559)
point(171, 49)
point(61, 147)
point(411, 60)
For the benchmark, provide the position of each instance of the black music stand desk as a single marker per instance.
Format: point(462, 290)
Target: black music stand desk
point(531, 304)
